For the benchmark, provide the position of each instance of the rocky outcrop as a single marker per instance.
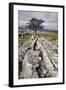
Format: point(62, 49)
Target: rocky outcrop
point(38, 58)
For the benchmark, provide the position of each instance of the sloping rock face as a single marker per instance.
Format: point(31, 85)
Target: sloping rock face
point(48, 66)
point(38, 58)
point(30, 63)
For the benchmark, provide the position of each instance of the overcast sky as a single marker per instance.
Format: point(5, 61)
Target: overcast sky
point(50, 18)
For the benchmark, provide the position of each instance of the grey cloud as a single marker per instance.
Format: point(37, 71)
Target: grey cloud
point(50, 18)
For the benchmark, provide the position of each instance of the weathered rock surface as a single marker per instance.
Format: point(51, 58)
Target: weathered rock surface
point(30, 62)
point(38, 58)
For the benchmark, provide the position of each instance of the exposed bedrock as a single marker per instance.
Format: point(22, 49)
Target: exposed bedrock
point(38, 59)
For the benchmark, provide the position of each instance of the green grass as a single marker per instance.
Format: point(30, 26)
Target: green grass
point(23, 39)
point(52, 36)
point(48, 35)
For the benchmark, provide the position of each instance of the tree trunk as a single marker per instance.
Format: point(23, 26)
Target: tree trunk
point(35, 31)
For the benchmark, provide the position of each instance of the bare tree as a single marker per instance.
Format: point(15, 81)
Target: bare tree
point(35, 24)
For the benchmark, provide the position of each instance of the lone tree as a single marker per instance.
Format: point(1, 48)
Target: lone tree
point(35, 24)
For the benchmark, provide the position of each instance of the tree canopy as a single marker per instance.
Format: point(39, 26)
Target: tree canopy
point(35, 24)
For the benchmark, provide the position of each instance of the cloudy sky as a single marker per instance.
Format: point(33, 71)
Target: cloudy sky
point(50, 18)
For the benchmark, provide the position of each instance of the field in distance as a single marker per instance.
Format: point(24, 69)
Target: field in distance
point(51, 36)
